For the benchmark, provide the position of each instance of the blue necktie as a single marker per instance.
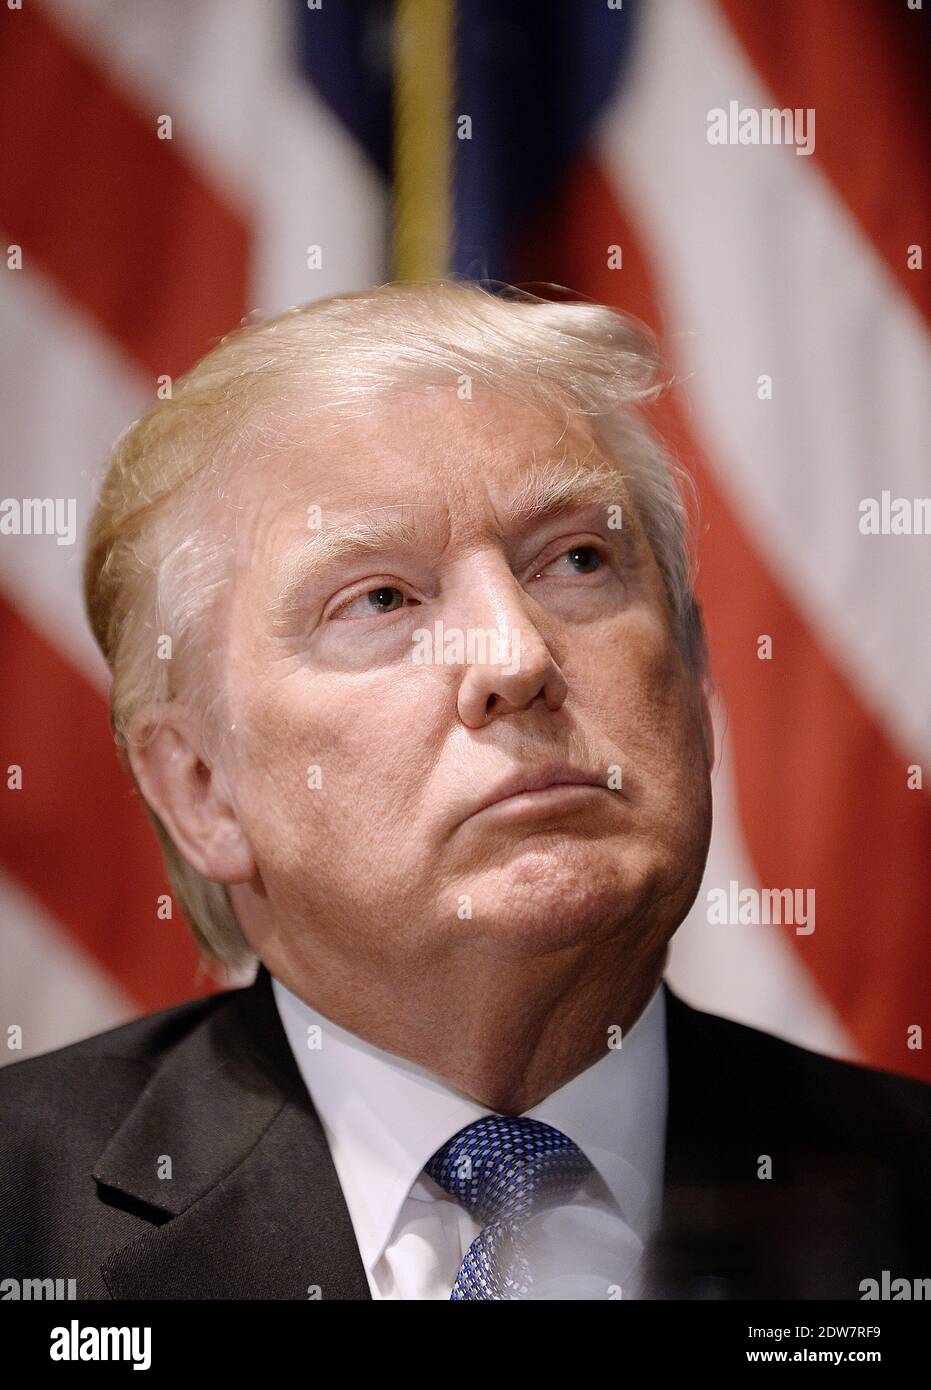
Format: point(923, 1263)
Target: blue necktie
point(503, 1169)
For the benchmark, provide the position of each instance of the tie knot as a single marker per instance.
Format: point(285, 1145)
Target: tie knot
point(508, 1166)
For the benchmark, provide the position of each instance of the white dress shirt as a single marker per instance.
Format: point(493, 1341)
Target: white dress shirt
point(384, 1118)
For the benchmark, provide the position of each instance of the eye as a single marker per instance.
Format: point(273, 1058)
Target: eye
point(579, 555)
point(372, 603)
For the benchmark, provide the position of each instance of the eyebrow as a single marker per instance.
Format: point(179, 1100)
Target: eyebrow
point(548, 490)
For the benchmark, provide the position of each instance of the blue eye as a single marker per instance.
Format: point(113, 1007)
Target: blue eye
point(581, 554)
point(382, 596)
point(388, 598)
point(379, 596)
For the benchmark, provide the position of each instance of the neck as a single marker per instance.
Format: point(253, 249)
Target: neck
point(505, 1033)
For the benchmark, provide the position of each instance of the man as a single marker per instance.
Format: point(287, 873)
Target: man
point(408, 669)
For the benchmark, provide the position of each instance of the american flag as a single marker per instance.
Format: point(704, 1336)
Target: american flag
point(167, 170)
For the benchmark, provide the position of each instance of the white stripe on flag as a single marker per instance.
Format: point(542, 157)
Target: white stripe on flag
point(65, 394)
point(48, 986)
point(762, 270)
point(751, 973)
point(241, 108)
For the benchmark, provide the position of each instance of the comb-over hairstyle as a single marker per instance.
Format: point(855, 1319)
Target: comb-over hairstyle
point(158, 563)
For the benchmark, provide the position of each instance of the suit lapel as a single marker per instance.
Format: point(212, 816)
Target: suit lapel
point(252, 1207)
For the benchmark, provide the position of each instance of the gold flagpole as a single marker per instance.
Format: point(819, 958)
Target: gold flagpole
point(423, 97)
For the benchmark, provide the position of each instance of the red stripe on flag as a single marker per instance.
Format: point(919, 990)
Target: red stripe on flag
point(76, 836)
point(130, 230)
point(864, 70)
point(822, 792)
point(119, 218)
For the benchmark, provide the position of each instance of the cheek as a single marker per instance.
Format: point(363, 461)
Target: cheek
point(327, 761)
point(645, 701)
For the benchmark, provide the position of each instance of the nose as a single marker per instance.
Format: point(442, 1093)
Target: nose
point(521, 671)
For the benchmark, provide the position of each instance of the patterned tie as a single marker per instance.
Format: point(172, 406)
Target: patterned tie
point(503, 1169)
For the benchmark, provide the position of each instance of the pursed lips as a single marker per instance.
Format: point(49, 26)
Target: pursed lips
point(539, 779)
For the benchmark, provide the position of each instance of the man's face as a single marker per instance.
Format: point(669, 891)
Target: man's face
point(360, 758)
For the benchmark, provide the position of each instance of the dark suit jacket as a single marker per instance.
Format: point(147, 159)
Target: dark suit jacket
point(253, 1208)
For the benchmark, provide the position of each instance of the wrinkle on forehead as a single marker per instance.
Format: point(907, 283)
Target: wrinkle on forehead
point(426, 458)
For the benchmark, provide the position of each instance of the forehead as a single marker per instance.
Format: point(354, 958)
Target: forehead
point(435, 462)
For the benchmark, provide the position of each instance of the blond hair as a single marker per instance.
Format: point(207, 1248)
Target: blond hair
point(157, 563)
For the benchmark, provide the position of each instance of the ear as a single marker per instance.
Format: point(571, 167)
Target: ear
point(707, 720)
point(188, 795)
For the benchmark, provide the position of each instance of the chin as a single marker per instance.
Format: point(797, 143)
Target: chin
point(545, 900)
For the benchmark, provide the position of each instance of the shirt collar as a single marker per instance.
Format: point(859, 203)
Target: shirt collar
point(384, 1117)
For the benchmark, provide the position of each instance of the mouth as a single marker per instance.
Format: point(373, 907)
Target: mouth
point(541, 791)
point(559, 799)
